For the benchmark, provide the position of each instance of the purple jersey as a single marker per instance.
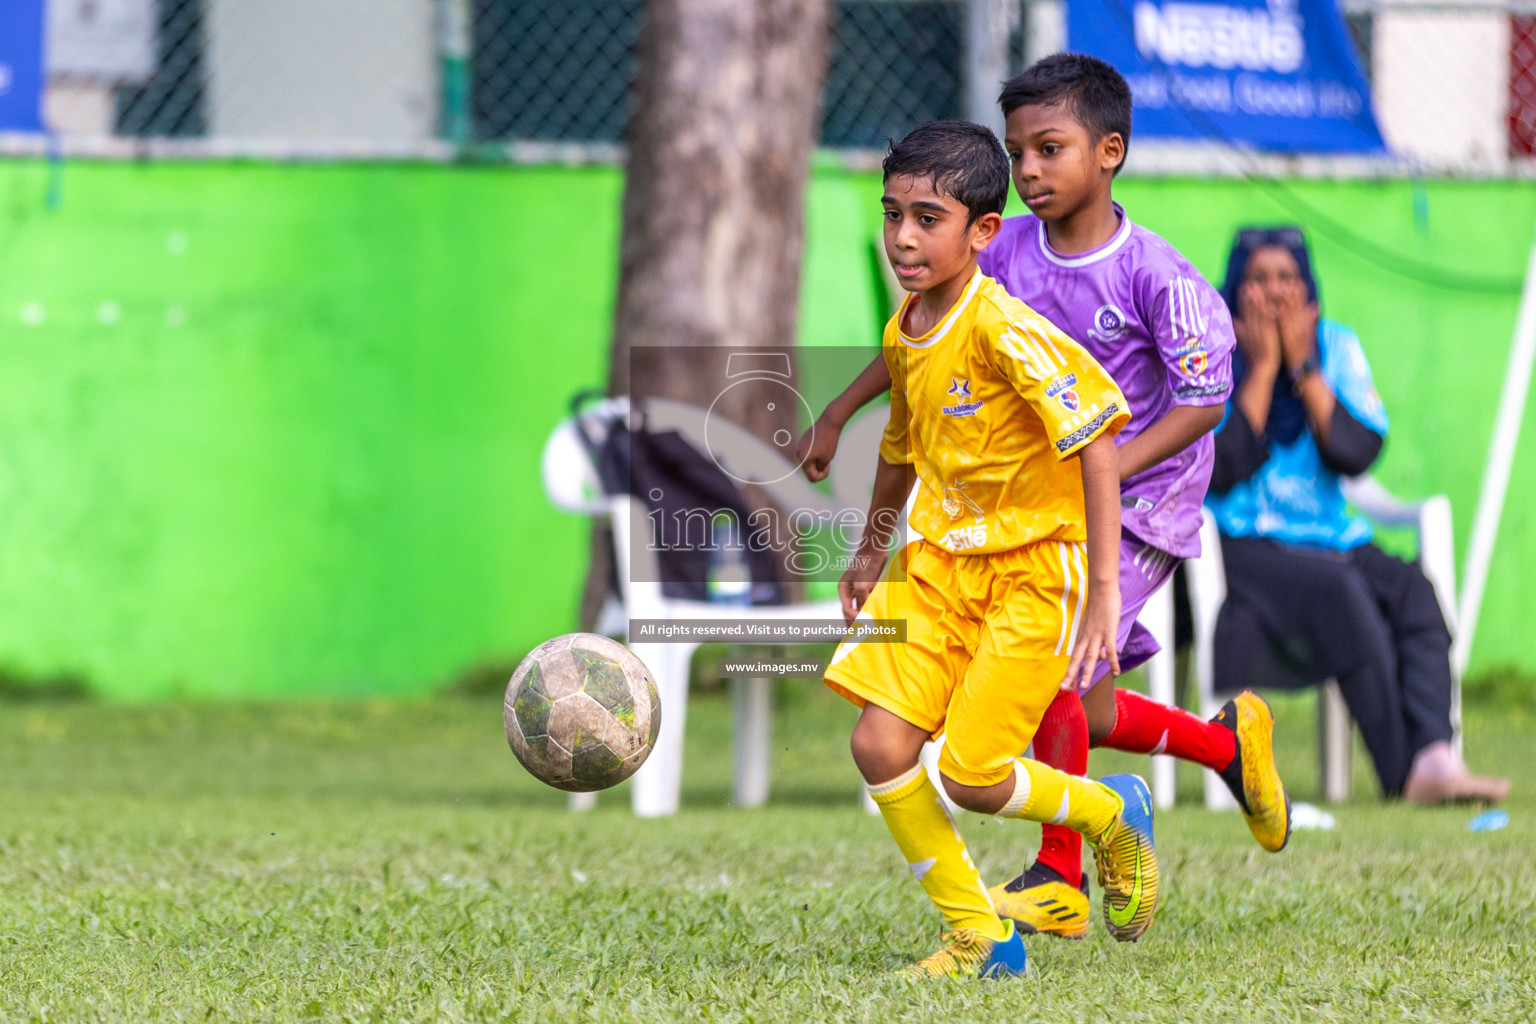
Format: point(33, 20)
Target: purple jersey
point(1163, 333)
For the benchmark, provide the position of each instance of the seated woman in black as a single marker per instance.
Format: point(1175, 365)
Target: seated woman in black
point(1308, 595)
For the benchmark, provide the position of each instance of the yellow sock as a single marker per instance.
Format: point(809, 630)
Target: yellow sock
point(935, 852)
point(1043, 793)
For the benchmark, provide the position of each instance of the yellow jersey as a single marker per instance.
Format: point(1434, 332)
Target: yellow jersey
point(987, 407)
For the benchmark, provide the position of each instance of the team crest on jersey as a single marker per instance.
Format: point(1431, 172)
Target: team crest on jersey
point(1061, 389)
point(960, 390)
point(1192, 357)
point(1108, 323)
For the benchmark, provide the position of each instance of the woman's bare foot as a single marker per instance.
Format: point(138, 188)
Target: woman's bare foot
point(1439, 776)
point(1461, 788)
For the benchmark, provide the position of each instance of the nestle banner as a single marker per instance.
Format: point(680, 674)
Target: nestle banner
point(1280, 75)
point(21, 65)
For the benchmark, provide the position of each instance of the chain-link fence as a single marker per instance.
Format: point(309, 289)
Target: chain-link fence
point(1454, 81)
point(552, 69)
point(380, 70)
point(168, 100)
point(560, 70)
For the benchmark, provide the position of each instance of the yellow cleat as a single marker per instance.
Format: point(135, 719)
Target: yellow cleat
point(1252, 776)
point(1127, 860)
point(966, 953)
point(1041, 903)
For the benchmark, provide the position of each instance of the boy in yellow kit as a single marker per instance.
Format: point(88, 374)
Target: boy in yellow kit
point(1007, 426)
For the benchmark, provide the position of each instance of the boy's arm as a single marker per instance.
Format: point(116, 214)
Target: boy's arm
point(1182, 427)
point(1100, 624)
point(1194, 341)
point(819, 443)
point(893, 482)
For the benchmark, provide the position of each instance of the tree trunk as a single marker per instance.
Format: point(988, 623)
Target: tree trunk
point(727, 109)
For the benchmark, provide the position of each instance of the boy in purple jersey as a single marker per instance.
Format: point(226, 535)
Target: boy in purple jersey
point(1146, 314)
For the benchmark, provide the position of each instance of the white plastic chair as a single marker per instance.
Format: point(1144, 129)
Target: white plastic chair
point(1206, 577)
point(571, 482)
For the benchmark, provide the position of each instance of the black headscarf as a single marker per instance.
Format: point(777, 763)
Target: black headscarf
point(1287, 416)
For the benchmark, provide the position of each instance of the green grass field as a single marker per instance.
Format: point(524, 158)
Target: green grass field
point(389, 861)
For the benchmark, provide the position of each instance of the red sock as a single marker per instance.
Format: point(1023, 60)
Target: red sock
point(1062, 742)
point(1144, 726)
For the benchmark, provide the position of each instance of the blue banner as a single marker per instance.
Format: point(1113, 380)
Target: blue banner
point(1280, 75)
point(21, 65)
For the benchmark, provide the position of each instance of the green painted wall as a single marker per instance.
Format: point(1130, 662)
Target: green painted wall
point(275, 430)
point(326, 479)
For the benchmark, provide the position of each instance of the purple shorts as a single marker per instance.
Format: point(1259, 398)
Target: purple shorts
point(1143, 569)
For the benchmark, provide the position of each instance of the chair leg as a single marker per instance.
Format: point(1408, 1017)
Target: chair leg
point(752, 726)
point(1456, 732)
point(1157, 617)
point(1165, 778)
point(1335, 758)
point(658, 783)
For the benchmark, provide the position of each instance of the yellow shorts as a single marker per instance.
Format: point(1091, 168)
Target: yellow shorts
point(988, 641)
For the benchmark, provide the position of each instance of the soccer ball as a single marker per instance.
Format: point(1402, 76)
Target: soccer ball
point(582, 712)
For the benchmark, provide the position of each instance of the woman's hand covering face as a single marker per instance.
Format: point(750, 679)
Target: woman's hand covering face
point(1257, 327)
point(1298, 325)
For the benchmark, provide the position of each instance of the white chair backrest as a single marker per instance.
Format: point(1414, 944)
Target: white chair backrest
point(570, 478)
point(1431, 522)
point(1437, 553)
point(1375, 502)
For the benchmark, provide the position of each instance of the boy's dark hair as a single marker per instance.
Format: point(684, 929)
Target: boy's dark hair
point(963, 160)
point(1094, 93)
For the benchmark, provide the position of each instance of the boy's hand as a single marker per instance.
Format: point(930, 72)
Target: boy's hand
point(816, 448)
point(1097, 632)
point(860, 579)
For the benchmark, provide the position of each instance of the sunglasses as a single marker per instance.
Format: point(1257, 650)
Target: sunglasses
point(1253, 238)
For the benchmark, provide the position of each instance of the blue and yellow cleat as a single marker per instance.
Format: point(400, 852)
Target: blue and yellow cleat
point(1040, 902)
point(1127, 860)
point(965, 953)
point(1252, 776)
